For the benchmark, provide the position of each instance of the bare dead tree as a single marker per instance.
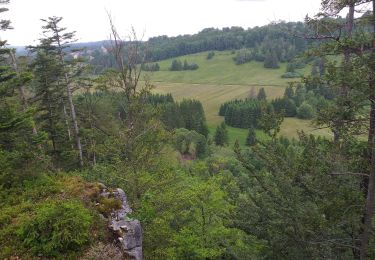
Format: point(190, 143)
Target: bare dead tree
point(129, 58)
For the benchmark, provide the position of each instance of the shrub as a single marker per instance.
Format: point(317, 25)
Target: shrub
point(57, 227)
point(243, 56)
point(305, 111)
point(210, 55)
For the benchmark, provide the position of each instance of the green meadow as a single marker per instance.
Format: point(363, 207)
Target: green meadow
point(219, 80)
point(221, 70)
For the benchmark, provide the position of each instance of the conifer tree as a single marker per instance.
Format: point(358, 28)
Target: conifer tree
point(251, 137)
point(19, 147)
point(55, 43)
point(262, 94)
point(221, 135)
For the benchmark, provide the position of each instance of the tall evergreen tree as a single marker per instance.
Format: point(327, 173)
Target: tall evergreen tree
point(56, 43)
point(251, 137)
point(20, 155)
point(221, 135)
point(262, 94)
point(271, 61)
point(352, 91)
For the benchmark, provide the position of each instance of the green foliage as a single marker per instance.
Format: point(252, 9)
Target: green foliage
point(260, 40)
point(221, 135)
point(193, 116)
point(305, 111)
point(47, 207)
point(251, 137)
point(242, 113)
point(56, 227)
point(178, 66)
point(210, 55)
point(285, 105)
point(107, 205)
point(271, 60)
point(270, 123)
point(190, 143)
point(262, 94)
point(150, 66)
point(291, 184)
point(243, 56)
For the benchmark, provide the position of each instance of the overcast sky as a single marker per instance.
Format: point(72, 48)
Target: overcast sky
point(151, 17)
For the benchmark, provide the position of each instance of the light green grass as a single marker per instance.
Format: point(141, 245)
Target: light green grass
point(238, 134)
point(221, 70)
point(212, 96)
point(291, 126)
point(219, 80)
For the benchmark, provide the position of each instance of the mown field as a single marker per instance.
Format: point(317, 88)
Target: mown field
point(221, 70)
point(219, 80)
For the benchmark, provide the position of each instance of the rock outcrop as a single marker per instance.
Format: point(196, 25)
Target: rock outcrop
point(128, 231)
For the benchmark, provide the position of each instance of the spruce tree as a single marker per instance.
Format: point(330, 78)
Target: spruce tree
point(221, 135)
point(56, 42)
point(20, 154)
point(271, 61)
point(262, 94)
point(251, 137)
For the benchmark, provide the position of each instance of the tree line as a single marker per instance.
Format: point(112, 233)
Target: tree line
point(271, 44)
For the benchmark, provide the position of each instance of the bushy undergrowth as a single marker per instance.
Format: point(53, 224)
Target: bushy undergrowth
point(56, 227)
point(50, 216)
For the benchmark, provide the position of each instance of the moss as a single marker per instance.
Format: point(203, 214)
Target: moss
point(107, 205)
point(76, 187)
point(30, 213)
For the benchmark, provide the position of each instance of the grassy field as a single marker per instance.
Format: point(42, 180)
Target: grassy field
point(221, 70)
point(212, 96)
point(220, 80)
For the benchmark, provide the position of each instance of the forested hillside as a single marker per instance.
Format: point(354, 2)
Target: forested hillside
point(273, 41)
point(69, 136)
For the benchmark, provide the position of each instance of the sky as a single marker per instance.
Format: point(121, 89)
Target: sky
point(150, 18)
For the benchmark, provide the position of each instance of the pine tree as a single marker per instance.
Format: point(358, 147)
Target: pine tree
point(346, 79)
point(48, 98)
point(56, 44)
point(176, 65)
point(262, 94)
point(289, 92)
point(221, 135)
point(271, 61)
point(251, 137)
point(19, 147)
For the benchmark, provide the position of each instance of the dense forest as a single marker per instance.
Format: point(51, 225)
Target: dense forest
point(304, 101)
point(271, 44)
point(65, 132)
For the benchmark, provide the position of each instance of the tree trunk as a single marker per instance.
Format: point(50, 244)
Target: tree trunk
point(66, 121)
point(74, 119)
point(70, 100)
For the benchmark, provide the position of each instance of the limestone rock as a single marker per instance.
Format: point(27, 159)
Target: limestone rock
point(128, 231)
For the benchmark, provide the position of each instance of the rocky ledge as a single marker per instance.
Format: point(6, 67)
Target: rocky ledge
point(128, 231)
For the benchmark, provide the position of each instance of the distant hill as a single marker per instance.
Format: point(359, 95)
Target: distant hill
point(275, 39)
